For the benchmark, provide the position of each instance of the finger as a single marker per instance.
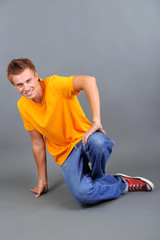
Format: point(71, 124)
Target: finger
point(36, 188)
point(43, 190)
point(85, 140)
point(38, 195)
point(33, 190)
point(102, 130)
point(86, 136)
point(84, 143)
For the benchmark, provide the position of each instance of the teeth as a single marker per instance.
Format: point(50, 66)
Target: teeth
point(29, 92)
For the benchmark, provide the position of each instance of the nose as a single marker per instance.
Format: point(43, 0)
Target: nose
point(26, 88)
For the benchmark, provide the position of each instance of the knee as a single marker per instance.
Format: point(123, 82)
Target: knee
point(83, 194)
point(100, 142)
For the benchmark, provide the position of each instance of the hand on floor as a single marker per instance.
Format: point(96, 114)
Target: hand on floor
point(41, 188)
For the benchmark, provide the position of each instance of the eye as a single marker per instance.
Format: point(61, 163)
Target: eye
point(29, 80)
point(19, 85)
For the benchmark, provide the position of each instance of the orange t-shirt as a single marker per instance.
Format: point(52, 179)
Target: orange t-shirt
point(59, 118)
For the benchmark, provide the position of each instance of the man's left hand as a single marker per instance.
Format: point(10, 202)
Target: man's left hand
point(95, 126)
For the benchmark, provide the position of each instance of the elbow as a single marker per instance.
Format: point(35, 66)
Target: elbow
point(38, 146)
point(90, 81)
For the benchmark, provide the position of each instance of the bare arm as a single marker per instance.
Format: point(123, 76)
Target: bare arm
point(39, 152)
point(88, 84)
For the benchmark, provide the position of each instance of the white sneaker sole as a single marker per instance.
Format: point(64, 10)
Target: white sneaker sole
point(150, 185)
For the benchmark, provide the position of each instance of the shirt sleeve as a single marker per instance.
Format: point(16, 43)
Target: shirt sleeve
point(63, 85)
point(27, 125)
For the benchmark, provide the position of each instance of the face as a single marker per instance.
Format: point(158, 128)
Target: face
point(27, 84)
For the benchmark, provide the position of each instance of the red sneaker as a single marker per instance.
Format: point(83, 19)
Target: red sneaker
point(137, 183)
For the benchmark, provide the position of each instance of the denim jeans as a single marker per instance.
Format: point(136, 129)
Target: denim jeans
point(84, 171)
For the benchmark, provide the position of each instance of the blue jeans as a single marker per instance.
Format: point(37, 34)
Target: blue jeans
point(84, 171)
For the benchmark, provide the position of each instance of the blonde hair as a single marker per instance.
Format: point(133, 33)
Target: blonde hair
point(17, 66)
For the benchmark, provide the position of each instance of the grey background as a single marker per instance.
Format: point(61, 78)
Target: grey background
point(118, 42)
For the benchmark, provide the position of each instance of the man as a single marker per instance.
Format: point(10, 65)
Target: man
point(52, 114)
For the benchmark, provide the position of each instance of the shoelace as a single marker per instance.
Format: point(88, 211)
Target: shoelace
point(134, 187)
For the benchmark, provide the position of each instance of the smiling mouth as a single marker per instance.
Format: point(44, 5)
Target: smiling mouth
point(29, 93)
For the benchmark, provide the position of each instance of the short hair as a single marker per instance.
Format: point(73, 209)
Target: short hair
point(17, 66)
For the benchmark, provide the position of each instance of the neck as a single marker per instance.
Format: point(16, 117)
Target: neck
point(38, 98)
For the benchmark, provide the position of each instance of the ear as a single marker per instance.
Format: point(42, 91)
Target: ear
point(36, 74)
point(12, 82)
point(14, 86)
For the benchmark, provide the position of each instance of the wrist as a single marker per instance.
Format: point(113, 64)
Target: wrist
point(44, 180)
point(96, 122)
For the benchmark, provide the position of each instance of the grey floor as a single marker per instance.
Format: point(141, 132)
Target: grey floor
point(56, 215)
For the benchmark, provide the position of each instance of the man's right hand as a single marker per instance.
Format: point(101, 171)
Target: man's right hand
point(41, 188)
